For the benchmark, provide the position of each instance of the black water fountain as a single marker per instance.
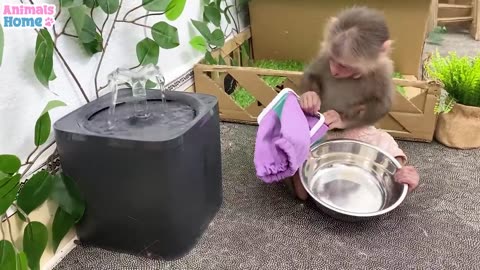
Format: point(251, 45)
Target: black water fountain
point(148, 164)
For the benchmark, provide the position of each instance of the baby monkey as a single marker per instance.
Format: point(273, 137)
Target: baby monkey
point(350, 81)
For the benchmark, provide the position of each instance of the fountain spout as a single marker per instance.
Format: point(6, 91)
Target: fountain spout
point(137, 81)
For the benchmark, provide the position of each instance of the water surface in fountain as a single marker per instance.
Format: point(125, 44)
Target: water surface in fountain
point(134, 114)
point(173, 114)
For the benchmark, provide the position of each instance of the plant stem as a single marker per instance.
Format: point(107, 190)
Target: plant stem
point(147, 15)
point(104, 23)
point(58, 13)
point(69, 35)
point(36, 158)
point(4, 216)
point(91, 15)
point(106, 45)
point(63, 32)
point(31, 154)
point(132, 10)
point(139, 24)
point(233, 19)
point(103, 87)
point(71, 72)
point(10, 232)
point(135, 67)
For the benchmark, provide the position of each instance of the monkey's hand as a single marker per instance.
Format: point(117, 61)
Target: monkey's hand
point(334, 120)
point(407, 175)
point(310, 102)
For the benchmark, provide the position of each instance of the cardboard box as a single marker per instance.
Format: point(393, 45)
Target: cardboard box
point(412, 116)
point(286, 29)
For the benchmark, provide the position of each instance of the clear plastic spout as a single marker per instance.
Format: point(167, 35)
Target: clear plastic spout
point(137, 81)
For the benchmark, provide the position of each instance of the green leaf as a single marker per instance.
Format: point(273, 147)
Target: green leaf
point(35, 238)
point(45, 37)
point(90, 3)
point(221, 61)
point(165, 35)
point(66, 3)
point(147, 52)
point(218, 39)
point(42, 129)
point(149, 84)
point(43, 124)
point(218, 3)
point(155, 5)
point(94, 46)
point(199, 43)
point(62, 223)
point(8, 192)
point(7, 256)
point(109, 6)
point(2, 44)
point(43, 64)
point(66, 194)
point(213, 15)
point(52, 76)
point(22, 262)
point(206, 2)
point(84, 24)
point(175, 9)
point(9, 163)
point(35, 191)
point(209, 58)
point(202, 27)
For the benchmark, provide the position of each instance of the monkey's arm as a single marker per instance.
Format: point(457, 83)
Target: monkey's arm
point(311, 79)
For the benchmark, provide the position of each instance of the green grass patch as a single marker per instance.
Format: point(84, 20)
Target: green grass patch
point(245, 99)
point(400, 89)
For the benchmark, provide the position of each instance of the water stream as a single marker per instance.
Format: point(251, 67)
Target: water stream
point(137, 80)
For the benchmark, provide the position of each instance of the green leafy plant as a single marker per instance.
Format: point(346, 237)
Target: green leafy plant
point(460, 77)
point(25, 198)
point(211, 39)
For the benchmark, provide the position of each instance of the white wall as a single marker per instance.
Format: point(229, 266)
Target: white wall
point(23, 97)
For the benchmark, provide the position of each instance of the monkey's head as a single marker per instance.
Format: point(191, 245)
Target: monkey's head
point(356, 41)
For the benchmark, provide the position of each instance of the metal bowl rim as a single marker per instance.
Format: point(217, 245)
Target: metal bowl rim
point(352, 214)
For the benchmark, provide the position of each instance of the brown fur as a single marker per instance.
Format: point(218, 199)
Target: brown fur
point(364, 100)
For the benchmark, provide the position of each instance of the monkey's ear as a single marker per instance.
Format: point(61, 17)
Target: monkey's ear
point(387, 46)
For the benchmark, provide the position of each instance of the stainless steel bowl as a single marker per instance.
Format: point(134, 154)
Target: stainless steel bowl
point(352, 180)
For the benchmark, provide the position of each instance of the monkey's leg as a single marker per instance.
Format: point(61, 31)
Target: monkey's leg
point(299, 190)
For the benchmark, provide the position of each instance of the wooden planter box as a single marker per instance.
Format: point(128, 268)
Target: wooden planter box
point(412, 116)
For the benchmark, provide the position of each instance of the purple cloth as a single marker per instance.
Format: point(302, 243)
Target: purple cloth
point(282, 144)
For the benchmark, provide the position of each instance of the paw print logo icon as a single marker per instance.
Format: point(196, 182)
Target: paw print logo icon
point(49, 21)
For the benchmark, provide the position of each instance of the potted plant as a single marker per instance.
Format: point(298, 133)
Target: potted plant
point(459, 107)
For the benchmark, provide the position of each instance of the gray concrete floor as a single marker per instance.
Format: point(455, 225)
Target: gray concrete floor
point(457, 41)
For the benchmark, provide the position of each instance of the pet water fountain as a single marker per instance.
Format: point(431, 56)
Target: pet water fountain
point(147, 163)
